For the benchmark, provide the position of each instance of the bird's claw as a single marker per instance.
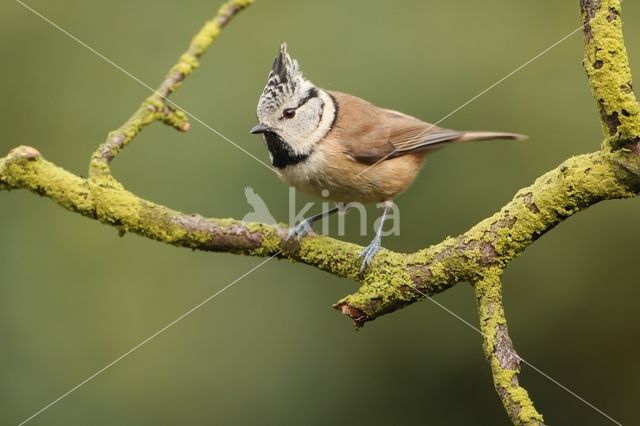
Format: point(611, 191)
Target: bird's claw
point(367, 255)
point(300, 230)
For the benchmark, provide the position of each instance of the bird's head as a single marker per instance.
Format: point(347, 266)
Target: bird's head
point(293, 114)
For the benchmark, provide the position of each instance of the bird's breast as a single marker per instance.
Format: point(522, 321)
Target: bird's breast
point(330, 173)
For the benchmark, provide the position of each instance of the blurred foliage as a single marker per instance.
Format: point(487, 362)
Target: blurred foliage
point(74, 296)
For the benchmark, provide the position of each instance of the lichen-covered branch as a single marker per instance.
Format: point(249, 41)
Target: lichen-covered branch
point(25, 168)
point(394, 280)
point(607, 66)
point(499, 350)
point(575, 185)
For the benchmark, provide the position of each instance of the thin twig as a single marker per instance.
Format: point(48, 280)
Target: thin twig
point(157, 106)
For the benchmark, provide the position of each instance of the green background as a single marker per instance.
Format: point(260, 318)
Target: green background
point(270, 350)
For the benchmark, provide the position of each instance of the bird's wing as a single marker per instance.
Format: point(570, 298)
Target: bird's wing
point(408, 134)
point(370, 134)
point(357, 129)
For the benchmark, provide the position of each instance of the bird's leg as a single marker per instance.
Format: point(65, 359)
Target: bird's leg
point(369, 252)
point(303, 228)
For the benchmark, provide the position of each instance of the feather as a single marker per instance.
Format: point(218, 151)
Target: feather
point(370, 134)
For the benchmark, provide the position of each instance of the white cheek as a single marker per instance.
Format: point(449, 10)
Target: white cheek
point(328, 115)
point(303, 140)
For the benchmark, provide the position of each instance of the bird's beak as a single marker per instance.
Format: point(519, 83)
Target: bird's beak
point(259, 128)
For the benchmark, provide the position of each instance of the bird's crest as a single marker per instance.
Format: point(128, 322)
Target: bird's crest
point(285, 79)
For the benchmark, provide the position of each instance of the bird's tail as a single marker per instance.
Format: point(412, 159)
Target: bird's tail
point(486, 136)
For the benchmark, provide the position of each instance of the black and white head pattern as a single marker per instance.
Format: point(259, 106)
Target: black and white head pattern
point(284, 82)
point(296, 113)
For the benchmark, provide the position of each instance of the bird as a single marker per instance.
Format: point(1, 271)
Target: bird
point(344, 148)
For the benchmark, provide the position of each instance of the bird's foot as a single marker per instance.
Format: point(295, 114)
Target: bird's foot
point(368, 253)
point(300, 230)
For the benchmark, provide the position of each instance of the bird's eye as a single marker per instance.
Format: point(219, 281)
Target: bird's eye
point(289, 113)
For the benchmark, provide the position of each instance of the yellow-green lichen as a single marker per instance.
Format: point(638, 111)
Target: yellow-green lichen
point(205, 37)
point(211, 30)
point(387, 286)
point(233, 6)
point(499, 351)
point(328, 254)
point(25, 168)
point(186, 65)
point(271, 237)
point(607, 66)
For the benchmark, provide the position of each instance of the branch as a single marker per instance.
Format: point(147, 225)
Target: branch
point(607, 66)
point(25, 168)
point(575, 185)
point(499, 350)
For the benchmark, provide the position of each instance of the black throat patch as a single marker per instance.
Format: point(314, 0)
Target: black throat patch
point(282, 155)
